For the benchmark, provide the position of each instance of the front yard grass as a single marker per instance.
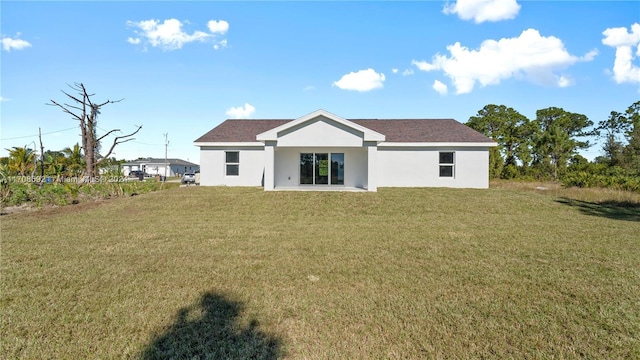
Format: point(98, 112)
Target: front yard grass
point(403, 273)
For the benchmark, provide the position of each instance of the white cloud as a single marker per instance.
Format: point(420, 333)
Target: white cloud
point(529, 55)
point(564, 81)
point(394, 70)
point(241, 111)
point(590, 55)
point(9, 44)
point(423, 65)
point(309, 88)
point(220, 45)
point(169, 35)
point(483, 10)
point(624, 69)
point(218, 27)
point(363, 80)
point(3, 99)
point(440, 87)
point(407, 72)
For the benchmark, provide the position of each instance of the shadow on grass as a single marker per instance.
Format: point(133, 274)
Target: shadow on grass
point(209, 330)
point(610, 209)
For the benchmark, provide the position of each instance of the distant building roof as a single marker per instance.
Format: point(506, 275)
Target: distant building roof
point(169, 161)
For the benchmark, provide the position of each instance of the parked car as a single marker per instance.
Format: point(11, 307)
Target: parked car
point(137, 174)
point(188, 178)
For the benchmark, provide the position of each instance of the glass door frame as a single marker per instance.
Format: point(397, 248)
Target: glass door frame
point(322, 168)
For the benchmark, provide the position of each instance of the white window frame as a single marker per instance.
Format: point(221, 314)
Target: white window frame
point(451, 164)
point(231, 163)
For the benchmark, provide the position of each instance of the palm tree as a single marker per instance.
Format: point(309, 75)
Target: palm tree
point(74, 160)
point(21, 160)
point(54, 162)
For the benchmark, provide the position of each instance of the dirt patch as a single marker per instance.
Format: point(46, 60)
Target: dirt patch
point(27, 208)
point(8, 210)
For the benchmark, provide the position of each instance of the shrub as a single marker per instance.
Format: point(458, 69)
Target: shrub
point(17, 193)
point(616, 181)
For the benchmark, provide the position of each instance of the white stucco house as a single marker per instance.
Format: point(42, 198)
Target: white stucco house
point(323, 151)
point(160, 166)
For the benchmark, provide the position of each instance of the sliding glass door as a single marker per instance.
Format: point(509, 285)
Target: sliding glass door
point(306, 169)
point(337, 169)
point(316, 169)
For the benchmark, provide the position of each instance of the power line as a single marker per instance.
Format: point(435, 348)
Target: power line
point(36, 135)
point(141, 143)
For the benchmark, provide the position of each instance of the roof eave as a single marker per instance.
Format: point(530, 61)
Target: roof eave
point(437, 144)
point(227, 143)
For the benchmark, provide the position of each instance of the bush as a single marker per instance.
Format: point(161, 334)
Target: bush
point(17, 193)
point(617, 181)
point(52, 194)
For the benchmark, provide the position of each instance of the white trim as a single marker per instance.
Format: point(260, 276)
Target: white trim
point(229, 144)
point(272, 135)
point(227, 163)
point(452, 164)
point(437, 144)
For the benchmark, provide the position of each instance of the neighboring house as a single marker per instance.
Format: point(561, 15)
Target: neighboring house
point(324, 151)
point(154, 166)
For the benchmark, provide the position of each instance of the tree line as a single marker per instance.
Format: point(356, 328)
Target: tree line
point(69, 162)
point(85, 159)
point(547, 147)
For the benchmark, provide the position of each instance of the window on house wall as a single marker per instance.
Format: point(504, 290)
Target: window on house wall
point(232, 163)
point(447, 164)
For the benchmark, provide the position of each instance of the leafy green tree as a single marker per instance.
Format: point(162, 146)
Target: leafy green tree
point(631, 152)
point(555, 149)
point(21, 160)
point(612, 129)
point(557, 140)
point(512, 131)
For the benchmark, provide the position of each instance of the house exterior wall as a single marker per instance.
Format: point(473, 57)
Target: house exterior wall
point(287, 165)
point(396, 167)
point(158, 169)
point(213, 166)
point(419, 167)
point(320, 133)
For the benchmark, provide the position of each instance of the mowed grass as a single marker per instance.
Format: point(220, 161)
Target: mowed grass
point(206, 272)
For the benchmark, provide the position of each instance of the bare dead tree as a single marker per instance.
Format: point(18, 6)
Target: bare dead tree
point(86, 112)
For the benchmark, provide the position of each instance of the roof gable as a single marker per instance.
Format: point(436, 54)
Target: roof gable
point(273, 134)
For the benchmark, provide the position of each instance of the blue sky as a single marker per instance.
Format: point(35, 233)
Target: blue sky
point(184, 67)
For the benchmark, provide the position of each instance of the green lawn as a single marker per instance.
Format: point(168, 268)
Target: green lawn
point(202, 272)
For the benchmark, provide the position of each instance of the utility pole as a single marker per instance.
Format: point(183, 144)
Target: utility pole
point(41, 153)
point(166, 144)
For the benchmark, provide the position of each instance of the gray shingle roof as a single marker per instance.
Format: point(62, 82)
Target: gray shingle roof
point(240, 130)
point(395, 130)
